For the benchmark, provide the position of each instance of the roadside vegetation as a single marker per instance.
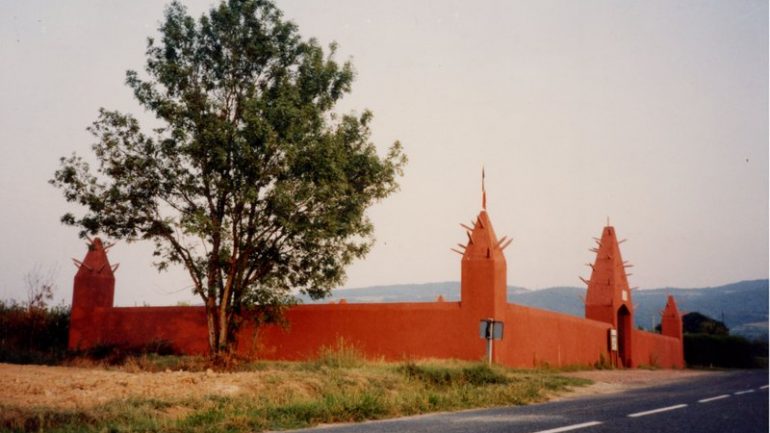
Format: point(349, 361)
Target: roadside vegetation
point(339, 385)
point(708, 343)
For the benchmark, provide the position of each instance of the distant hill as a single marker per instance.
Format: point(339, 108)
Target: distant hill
point(742, 306)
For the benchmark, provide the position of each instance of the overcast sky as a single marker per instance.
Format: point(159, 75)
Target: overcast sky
point(654, 113)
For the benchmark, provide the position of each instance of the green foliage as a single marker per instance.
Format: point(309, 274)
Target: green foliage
point(33, 334)
point(697, 323)
point(440, 375)
point(604, 362)
point(251, 182)
point(724, 351)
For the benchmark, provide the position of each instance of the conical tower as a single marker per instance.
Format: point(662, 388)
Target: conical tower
point(608, 289)
point(94, 288)
point(671, 323)
point(484, 279)
point(608, 298)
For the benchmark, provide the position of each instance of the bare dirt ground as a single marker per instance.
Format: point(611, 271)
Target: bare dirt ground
point(72, 388)
point(611, 381)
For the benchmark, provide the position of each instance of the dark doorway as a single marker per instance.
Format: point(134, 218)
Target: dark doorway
point(625, 328)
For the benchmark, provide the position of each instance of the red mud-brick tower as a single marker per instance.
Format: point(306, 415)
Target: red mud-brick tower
point(671, 323)
point(94, 288)
point(608, 298)
point(483, 290)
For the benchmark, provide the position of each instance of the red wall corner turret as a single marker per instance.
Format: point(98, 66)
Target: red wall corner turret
point(484, 280)
point(671, 323)
point(94, 287)
point(484, 271)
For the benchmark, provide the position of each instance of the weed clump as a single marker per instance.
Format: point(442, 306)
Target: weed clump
point(438, 375)
point(340, 355)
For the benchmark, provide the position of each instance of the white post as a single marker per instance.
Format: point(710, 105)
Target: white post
point(489, 350)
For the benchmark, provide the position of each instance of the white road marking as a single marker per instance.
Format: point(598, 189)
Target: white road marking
point(662, 409)
point(719, 397)
point(570, 427)
point(743, 392)
point(763, 387)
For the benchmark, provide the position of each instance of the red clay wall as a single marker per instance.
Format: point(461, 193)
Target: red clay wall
point(535, 338)
point(392, 331)
point(184, 327)
point(656, 350)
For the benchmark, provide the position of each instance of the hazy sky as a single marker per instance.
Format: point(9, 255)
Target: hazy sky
point(654, 113)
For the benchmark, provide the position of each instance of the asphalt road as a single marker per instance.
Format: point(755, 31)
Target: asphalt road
point(735, 401)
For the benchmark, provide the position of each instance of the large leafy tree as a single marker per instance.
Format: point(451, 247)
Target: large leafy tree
point(251, 182)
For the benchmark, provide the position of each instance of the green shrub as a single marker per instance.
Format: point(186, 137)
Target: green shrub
point(439, 375)
point(341, 355)
point(33, 335)
point(724, 351)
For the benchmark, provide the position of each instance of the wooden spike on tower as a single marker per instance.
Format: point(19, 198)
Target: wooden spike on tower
point(457, 251)
point(470, 238)
point(115, 267)
point(466, 227)
point(461, 246)
point(593, 250)
point(505, 245)
point(583, 280)
point(621, 241)
point(78, 264)
point(503, 239)
point(483, 191)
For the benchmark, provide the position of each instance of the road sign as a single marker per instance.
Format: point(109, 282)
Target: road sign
point(491, 329)
point(613, 340)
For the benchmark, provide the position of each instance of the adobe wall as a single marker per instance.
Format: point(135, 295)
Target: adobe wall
point(397, 331)
point(391, 331)
point(657, 350)
point(535, 338)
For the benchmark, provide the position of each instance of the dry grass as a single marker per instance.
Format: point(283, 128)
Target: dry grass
point(338, 386)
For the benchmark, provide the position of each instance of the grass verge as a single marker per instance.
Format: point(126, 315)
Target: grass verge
point(336, 387)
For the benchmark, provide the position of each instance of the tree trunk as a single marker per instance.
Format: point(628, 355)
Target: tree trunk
point(211, 319)
point(224, 343)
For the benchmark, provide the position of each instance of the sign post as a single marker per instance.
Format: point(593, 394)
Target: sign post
point(490, 330)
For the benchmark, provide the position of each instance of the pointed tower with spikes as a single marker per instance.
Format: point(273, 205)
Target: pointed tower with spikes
point(671, 322)
point(608, 298)
point(484, 279)
point(94, 287)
